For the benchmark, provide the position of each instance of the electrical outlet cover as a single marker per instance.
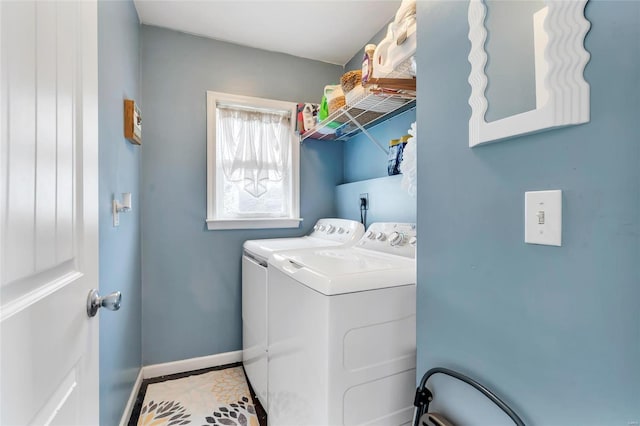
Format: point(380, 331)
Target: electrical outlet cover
point(366, 197)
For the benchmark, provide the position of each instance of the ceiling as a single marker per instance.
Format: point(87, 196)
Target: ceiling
point(330, 31)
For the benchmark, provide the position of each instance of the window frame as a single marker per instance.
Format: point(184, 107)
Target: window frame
point(214, 222)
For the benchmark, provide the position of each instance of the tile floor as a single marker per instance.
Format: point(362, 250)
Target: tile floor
point(213, 396)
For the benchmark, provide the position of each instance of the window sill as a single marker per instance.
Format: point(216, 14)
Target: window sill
point(213, 224)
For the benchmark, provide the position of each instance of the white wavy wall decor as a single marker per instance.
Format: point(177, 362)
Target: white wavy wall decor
point(568, 91)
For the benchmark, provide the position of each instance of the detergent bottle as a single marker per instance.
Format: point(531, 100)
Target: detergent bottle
point(367, 63)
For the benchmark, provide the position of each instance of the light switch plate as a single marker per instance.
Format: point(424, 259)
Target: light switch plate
point(543, 217)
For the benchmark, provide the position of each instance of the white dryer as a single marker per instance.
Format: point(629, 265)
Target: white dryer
point(326, 233)
point(342, 339)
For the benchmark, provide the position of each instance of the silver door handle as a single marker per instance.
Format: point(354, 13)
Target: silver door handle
point(110, 301)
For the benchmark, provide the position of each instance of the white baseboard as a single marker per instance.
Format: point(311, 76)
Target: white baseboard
point(157, 370)
point(128, 409)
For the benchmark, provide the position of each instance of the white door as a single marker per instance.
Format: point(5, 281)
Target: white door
point(48, 213)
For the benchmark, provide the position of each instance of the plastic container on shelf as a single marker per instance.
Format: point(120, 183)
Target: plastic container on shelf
point(367, 62)
point(400, 43)
point(335, 97)
point(309, 115)
point(323, 112)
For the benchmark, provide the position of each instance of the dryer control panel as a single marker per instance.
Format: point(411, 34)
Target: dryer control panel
point(388, 237)
point(340, 230)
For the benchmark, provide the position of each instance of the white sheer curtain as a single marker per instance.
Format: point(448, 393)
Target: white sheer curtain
point(253, 147)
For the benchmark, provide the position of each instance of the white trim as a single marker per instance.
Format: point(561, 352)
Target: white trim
point(566, 58)
point(128, 409)
point(157, 370)
point(213, 98)
point(85, 189)
point(253, 223)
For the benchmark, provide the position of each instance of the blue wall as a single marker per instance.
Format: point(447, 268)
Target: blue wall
point(363, 159)
point(388, 202)
point(120, 269)
point(365, 167)
point(555, 330)
point(191, 275)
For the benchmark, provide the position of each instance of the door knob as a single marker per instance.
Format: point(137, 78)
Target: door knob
point(110, 301)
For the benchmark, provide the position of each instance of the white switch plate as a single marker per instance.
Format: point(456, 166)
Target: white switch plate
point(543, 217)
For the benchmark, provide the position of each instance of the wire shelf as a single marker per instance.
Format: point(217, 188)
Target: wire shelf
point(371, 108)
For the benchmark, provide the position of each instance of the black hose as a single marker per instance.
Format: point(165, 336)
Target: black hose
point(424, 396)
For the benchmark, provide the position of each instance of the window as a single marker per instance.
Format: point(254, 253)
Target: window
point(252, 163)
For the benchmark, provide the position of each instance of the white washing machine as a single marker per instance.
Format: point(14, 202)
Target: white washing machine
point(342, 339)
point(326, 233)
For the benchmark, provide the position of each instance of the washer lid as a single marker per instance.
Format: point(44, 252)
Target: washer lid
point(327, 232)
point(265, 248)
point(340, 270)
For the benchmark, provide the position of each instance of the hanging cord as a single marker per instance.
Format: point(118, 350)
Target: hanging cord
point(363, 212)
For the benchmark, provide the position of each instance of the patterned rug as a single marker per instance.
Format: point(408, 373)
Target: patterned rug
point(219, 397)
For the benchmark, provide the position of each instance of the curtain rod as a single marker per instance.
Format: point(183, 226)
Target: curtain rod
point(223, 105)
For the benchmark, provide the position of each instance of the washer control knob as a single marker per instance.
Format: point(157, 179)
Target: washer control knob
point(413, 241)
point(322, 228)
point(371, 235)
point(380, 236)
point(331, 229)
point(341, 230)
point(397, 239)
